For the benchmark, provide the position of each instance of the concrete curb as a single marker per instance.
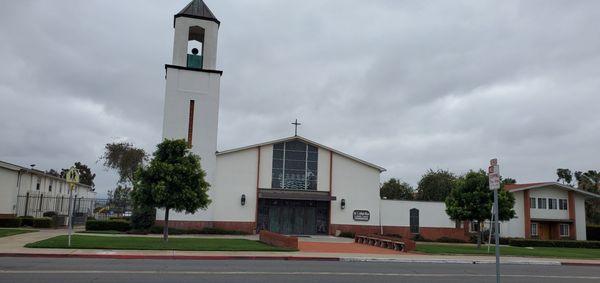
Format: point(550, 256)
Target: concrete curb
point(567, 263)
point(451, 261)
point(298, 258)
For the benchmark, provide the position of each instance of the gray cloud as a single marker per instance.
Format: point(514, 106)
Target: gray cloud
point(408, 85)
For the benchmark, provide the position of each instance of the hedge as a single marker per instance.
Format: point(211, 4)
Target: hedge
point(446, 239)
point(122, 218)
point(219, 231)
point(593, 232)
point(207, 230)
point(42, 222)
point(555, 243)
point(50, 214)
point(26, 220)
point(10, 222)
point(113, 225)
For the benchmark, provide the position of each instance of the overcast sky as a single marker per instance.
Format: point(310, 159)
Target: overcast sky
point(408, 85)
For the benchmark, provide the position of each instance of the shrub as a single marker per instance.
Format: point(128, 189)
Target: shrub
point(115, 225)
point(555, 243)
point(10, 222)
point(593, 232)
point(347, 235)
point(207, 230)
point(449, 240)
point(50, 214)
point(143, 218)
point(172, 231)
point(43, 222)
point(26, 220)
point(219, 231)
point(419, 238)
point(122, 218)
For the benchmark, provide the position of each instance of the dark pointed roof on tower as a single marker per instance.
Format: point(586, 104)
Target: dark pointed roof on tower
point(198, 10)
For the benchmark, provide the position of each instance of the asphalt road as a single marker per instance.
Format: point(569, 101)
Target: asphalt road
point(33, 270)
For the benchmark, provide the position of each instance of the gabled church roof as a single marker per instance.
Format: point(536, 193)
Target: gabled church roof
point(303, 139)
point(198, 10)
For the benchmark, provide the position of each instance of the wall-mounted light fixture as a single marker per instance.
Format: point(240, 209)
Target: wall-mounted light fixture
point(243, 200)
point(343, 203)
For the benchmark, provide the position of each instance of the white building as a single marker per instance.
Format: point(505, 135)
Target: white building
point(26, 191)
point(547, 211)
point(291, 185)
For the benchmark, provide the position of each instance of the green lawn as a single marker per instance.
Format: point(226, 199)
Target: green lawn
point(509, 251)
point(154, 243)
point(10, 232)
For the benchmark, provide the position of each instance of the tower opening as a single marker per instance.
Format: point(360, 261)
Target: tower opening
point(195, 47)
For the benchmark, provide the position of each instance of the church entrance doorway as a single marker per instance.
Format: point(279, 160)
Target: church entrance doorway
point(293, 217)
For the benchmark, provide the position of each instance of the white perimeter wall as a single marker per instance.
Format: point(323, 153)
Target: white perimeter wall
point(580, 216)
point(515, 227)
point(358, 184)
point(431, 214)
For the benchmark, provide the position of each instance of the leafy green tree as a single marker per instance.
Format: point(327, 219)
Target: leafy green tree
point(125, 159)
point(565, 175)
point(435, 185)
point(590, 181)
point(142, 217)
point(86, 176)
point(119, 199)
point(173, 180)
point(506, 181)
point(396, 189)
point(53, 173)
point(472, 200)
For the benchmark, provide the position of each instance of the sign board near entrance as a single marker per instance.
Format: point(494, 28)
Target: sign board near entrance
point(361, 215)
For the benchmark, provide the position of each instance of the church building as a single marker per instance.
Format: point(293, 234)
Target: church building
point(291, 185)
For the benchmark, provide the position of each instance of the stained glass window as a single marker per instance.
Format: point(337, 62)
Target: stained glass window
point(294, 166)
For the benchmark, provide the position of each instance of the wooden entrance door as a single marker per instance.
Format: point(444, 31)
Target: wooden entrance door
point(544, 231)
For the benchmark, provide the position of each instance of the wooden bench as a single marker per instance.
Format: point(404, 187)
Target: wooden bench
point(382, 242)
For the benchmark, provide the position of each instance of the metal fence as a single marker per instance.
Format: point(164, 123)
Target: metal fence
point(36, 205)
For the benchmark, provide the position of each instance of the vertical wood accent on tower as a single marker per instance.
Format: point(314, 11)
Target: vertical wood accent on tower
point(191, 123)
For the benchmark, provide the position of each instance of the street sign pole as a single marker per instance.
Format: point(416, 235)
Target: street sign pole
point(70, 225)
point(496, 236)
point(72, 178)
point(494, 180)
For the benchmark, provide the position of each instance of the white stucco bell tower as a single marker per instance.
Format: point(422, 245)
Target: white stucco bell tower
point(192, 90)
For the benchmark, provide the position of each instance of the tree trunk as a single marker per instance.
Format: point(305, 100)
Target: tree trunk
point(478, 234)
point(166, 227)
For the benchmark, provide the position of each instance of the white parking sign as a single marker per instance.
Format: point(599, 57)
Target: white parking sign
point(494, 174)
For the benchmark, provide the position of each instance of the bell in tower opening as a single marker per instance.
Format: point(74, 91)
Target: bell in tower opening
point(195, 44)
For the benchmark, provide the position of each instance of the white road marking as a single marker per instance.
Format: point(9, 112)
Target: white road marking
point(153, 272)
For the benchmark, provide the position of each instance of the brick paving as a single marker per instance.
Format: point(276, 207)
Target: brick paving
point(346, 248)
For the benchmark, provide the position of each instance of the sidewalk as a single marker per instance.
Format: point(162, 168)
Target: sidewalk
point(14, 246)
